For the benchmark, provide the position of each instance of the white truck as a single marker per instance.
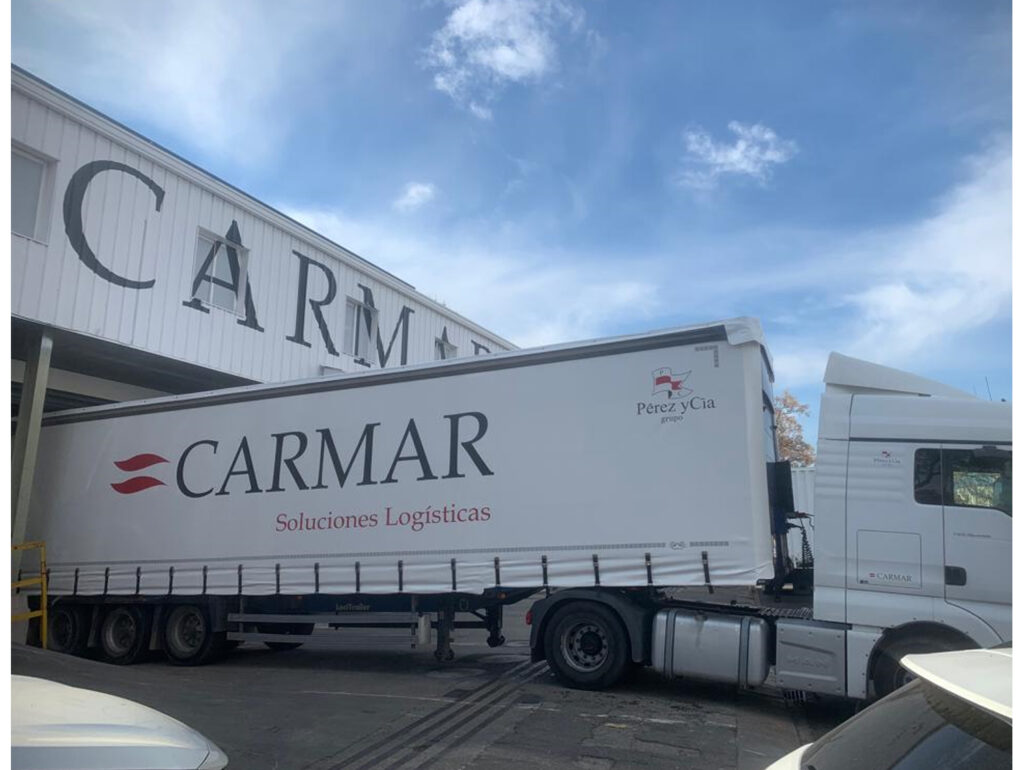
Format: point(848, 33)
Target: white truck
point(633, 480)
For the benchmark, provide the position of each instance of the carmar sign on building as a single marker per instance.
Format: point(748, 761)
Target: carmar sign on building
point(119, 240)
point(134, 274)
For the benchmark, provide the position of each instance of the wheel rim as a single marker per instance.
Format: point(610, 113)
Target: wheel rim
point(186, 632)
point(120, 633)
point(584, 646)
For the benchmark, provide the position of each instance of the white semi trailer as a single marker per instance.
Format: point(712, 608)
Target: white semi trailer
point(633, 480)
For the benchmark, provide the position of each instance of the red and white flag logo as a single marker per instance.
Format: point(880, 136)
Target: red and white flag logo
point(667, 381)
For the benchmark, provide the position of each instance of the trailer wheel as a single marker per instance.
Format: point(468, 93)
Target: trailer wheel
point(298, 629)
point(586, 646)
point(124, 635)
point(189, 639)
point(67, 629)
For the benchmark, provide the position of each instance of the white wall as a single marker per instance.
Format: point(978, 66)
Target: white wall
point(53, 283)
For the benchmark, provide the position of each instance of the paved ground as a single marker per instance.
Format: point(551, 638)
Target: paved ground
point(376, 703)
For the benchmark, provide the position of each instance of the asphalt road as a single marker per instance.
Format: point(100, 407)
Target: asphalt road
point(378, 703)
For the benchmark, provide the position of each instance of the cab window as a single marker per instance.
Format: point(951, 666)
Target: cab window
point(972, 478)
point(978, 478)
point(928, 476)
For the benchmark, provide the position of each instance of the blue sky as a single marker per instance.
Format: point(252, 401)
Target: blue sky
point(559, 170)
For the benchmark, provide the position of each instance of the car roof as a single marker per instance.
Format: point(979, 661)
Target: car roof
point(983, 678)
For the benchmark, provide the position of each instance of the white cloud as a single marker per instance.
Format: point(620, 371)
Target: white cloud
point(909, 296)
point(485, 45)
point(484, 113)
point(533, 297)
point(756, 150)
point(212, 72)
point(947, 274)
point(906, 296)
point(414, 195)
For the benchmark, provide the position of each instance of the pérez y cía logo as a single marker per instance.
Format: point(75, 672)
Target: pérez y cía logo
point(885, 457)
point(671, 398)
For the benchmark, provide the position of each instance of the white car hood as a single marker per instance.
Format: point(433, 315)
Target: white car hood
point(56, 726)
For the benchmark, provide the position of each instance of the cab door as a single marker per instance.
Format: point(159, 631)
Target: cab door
point(977, 502)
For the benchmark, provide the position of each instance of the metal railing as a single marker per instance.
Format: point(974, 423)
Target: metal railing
point(40, 581)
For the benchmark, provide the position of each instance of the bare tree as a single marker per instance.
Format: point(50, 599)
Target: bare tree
point(790, 432)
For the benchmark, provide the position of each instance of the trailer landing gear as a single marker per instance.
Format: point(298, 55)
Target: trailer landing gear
point(445, 625)
point(492, 620)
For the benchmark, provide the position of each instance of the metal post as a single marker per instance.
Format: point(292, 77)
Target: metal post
point(26, 438)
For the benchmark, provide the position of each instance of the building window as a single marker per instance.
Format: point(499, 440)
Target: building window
point(221, 271)
point(360, 329)
point(443, 349)
point(30, 186)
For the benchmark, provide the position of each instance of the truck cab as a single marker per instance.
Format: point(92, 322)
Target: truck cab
point(913, 506)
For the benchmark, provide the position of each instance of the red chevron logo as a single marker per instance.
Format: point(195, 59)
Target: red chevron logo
point(138, 483)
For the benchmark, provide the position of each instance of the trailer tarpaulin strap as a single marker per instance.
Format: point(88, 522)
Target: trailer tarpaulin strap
point(205, 570)
point(357, 577)
point(277, 578)
point(170, 580)
point(597, 571)
point(400, 575)
point(707, 571)
point(138, 580)
point(453, 576)
point(74, 590)
point(316, 578)
point(497, 571)
point(543, 569)
point(650, 572)
point(106, 580)
point(239, 579)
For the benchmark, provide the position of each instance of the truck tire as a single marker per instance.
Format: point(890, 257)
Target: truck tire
point(189, 639)
point(67, 629)
point(124, 635)
point(888, 675)
point(586, 646)
point(298, 629)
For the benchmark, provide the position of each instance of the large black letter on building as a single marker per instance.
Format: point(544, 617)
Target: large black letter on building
point(316, 305)
point(234, 265)
point(74, 196)
point(403, 323)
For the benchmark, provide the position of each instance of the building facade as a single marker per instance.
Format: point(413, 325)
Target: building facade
point(127, 251)
point(135, 274)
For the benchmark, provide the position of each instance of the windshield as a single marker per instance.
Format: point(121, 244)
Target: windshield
point(919, 727)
